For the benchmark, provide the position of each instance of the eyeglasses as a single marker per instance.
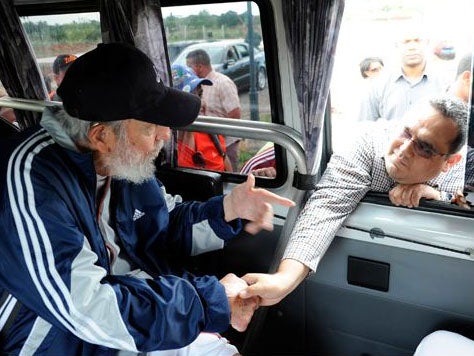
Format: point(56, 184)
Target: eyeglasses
point(421, 148)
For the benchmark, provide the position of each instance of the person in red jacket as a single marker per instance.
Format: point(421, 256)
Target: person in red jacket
point(198, 149)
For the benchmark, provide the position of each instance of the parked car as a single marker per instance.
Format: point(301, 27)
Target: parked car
point(175, 48)
point(232, 58)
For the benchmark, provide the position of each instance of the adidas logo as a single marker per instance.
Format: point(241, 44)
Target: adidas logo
point(137, 214)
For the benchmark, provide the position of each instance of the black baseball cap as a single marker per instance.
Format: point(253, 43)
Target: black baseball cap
point(116, 81)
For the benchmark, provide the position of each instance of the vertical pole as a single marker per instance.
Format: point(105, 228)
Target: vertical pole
point(253, 95)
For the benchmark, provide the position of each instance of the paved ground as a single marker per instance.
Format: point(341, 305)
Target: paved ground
point(249, 147)
point(263, 103)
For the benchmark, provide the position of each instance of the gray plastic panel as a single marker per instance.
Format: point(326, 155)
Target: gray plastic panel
point(427, 292)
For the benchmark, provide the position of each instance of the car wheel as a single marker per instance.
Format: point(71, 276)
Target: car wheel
point(261, 78)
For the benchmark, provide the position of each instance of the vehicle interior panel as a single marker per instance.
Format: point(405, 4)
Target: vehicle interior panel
point(341, 319)
point(191, 184)
point(386, 323)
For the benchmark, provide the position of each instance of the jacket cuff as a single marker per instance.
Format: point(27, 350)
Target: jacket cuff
point(215, 212)
point(214, 298)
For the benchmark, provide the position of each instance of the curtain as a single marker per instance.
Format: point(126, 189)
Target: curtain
point(139, 23)
point(312, 62)
point(21, 78)
point(311, 29)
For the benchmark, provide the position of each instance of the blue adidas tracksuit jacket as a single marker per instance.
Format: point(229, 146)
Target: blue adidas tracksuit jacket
point(54, 267)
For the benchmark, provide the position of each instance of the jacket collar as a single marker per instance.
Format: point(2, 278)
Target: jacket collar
point(51, 124)
point(83, 160)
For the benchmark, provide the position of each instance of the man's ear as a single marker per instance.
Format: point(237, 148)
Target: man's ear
point(99, 137)
point(451, 161)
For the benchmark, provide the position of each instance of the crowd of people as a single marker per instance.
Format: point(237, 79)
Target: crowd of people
point(95, 237)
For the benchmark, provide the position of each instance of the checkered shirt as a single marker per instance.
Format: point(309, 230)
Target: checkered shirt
point(221, 97)
point(469, 178)
point(348, 177)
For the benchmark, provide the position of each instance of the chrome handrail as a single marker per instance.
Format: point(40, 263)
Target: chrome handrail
point(284, 136)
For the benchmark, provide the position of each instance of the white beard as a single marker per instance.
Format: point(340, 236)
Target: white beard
point(130, 164)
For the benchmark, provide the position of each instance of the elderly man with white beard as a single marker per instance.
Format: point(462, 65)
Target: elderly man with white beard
point(90, 239)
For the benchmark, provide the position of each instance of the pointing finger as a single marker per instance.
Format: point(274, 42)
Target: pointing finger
point(276, 199)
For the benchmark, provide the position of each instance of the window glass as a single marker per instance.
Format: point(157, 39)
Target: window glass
point(243, 50)
point(231, 55)
point(67, 36)
point(376, 75)
point(218, 29)
point(221, 29)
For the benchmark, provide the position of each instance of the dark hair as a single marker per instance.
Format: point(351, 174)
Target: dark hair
point(364, 65)
point(464, 64)
point(457, 111)
point(199, 56)
point(62, 62)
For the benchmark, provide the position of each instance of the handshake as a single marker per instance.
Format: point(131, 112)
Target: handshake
point(241, 310)
point(246, 294)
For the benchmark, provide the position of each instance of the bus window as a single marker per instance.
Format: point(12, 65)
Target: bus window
point(220, 29)
point(64, 35)
point(414, 48)
point(217, 28)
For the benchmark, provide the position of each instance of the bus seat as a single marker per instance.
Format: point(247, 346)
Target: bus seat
point(191, 184)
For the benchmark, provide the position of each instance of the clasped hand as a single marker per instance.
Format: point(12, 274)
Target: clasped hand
point(241, 310)
point(246, 294)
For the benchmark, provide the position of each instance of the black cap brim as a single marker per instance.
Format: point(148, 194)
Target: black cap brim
point(175, 109)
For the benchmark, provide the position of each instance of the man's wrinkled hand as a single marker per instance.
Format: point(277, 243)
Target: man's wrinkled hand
point(241, 310)
point(253, 204)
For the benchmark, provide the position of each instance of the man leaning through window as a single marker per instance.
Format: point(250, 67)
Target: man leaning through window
point(421, 161)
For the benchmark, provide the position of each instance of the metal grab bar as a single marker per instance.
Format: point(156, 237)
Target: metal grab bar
point(284, 136)
point(27, 104)
point(258, 124)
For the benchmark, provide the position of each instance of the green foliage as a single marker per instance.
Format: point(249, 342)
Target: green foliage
point(205, 26)
point(231, 19)
point(73, 37)
point(75, 32)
